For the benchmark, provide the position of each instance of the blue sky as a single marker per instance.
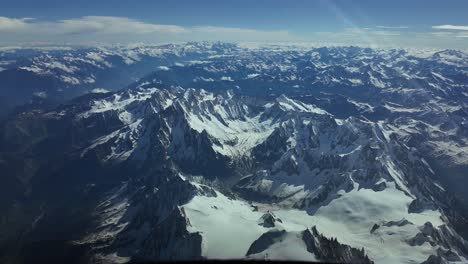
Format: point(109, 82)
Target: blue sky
point(427, 23)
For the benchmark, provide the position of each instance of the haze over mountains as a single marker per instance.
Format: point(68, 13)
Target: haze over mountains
point(217, 150)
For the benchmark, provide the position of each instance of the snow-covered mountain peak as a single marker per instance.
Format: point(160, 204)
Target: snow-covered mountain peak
point(289, 105)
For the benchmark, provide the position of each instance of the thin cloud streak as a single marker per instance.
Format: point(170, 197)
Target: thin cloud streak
point(122, 29)
point(450, 27)
point(391, 27)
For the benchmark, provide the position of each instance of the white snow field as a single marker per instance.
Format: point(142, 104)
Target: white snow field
point(229, 226)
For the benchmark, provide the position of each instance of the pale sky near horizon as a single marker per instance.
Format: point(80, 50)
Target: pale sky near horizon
point(398, 23)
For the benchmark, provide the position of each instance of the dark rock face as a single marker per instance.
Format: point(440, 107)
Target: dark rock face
point(449, 255)
point(380, 187)
point(418, 240)
point(443, 236)
point(374, 228)
point(264, 241)
point(400, 223)
point(269, 220)
point(194, 154)
point(432, 259)
point(171, 241)
point(330, 250)
point(418, 205)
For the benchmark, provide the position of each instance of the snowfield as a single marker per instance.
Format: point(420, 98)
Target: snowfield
point(229, 226)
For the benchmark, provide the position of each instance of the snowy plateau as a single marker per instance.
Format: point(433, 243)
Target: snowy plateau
point(221, 151)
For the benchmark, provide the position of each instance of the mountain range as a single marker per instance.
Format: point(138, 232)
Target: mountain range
point(223, 151)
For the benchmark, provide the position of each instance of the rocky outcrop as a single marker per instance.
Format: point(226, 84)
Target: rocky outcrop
point(330, 250)
point(268, 220)
point(265, 240)
point(170, 240)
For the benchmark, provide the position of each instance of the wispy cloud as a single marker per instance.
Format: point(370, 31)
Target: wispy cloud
point(450, 34)
point(123, 29)
point(451, 31)
point(7, 24)
point(113, 25)
point(380, 37)
point(450, 27)
point(392, 27)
